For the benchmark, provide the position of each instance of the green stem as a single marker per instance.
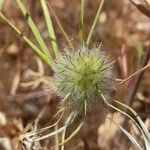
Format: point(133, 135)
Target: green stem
point(81, 20)
point(50, 27)
point(62, 29)
point(95, 22)
point(69, 120)
point(33, 28)
point(48, 60)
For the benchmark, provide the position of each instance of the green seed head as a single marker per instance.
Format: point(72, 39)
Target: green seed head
point(81, 74)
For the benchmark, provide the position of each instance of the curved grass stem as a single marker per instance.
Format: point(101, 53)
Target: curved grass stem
point(69, 120)
point(122, 112)
point(47, 59)
point(139, 124)
point(72, 134)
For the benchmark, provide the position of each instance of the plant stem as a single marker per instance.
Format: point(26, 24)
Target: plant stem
point(95, 22)
point(50, 28)
point(81, 20)
point(138, 78)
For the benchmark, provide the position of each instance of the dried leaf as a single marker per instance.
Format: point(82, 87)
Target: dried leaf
point(143, 6)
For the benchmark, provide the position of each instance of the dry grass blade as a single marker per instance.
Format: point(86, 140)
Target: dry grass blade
point(134, 74)
point(62, 29)
point(69, 120)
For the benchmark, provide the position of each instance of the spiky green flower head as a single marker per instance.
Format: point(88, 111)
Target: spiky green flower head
point(80, 75)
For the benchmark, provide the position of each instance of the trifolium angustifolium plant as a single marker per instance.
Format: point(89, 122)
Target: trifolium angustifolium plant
point(82, 74)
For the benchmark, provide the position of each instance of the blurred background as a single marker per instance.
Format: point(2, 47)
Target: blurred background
point(124, 30)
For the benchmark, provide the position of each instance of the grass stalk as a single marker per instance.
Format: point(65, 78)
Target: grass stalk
point(81, 21)
point(33, 28)
point(72, 134)
point(50, 27)
point(62, 29)
point(69, 119)
point(94, 22)
point(48, 60)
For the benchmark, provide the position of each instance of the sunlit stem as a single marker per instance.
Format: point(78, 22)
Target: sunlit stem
point(49, 135)
point(62, 29)
point(85, 106)
point(47, 59)
point(33, 27)
point(50, 27)
point(122, 112)
point(69, 120)
point(95, 22)
point(81, 21)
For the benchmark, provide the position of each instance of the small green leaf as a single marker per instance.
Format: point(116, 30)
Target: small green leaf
point(50, 134)
point(140, 50)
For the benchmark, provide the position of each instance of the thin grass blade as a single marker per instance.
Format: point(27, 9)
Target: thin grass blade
point(145, 132)
point(62, 29)
point(72, 134)
point(119, 110)
point(69, 120)
point(50, 27)
point(81, 21)
point(1, 3)
point(50, 134)
point(33, 28)
point(131, 138)
point(28, 41)
point(147, 143)
point(95, 22)
point(127, 115)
